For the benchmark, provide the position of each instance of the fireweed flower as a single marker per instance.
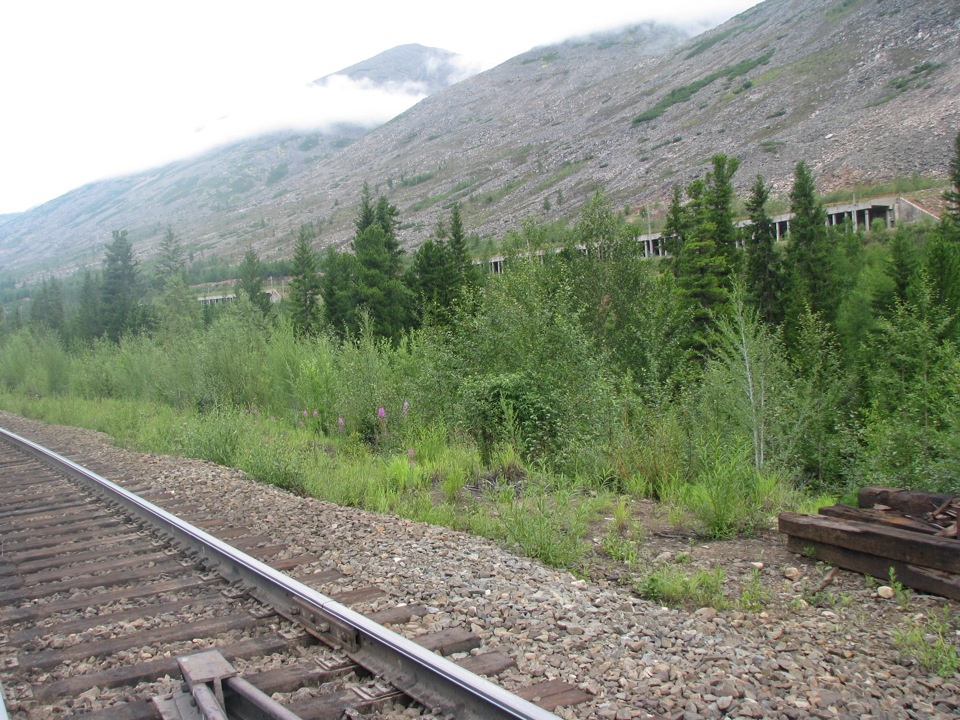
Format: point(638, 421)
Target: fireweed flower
point(305, 413)
point(406, 406)
point(382, 414)
point(316, 413)
point(410, 457)
point(340, 423)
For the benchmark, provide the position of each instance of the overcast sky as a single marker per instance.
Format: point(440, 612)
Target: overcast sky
point(100, 88)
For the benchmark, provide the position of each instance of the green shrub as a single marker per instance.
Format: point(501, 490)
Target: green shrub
point(670, 585)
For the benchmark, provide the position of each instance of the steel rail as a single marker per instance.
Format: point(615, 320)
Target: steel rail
point(430, 679)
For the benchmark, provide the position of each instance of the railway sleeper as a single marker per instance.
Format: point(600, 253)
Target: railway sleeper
point(216, 692)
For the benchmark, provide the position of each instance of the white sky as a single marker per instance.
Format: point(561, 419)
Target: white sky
point(97, 88)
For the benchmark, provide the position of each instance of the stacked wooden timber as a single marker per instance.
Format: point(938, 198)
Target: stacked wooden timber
point(912, 533)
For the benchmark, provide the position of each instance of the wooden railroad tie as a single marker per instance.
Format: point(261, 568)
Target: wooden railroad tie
point(912, 534)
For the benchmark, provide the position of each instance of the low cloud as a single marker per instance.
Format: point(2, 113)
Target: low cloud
point(337, 99)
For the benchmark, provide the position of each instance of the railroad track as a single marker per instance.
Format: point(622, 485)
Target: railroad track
point(115, 608)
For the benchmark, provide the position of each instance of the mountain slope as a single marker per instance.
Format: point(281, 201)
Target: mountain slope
point(412, 68)
point(863, 90)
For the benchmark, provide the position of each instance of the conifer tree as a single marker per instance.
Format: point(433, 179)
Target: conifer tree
point(441, 271)
point(250, 281)
point(952, 194)
point(719, 200)
point(676, 226)
point(902, 267)
point(120, 289)
point(47, 308)
point(700, 267)
point(304, 287)
point(457, 242)
point(171, 260)
point(365, 214)
point(763, 279)
point(431, 279)
point(379, 288)
point(809, 255)
point(942, 267)
point(386, 216)
point(337, 288)
point(86, 323)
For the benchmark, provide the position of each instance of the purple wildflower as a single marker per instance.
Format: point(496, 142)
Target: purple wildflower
point(406, 406)
point(316, 413)
point(305, 413)
point(382, 414)
point(340, 423)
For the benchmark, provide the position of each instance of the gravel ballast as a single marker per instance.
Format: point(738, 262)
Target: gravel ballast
point(636, 659)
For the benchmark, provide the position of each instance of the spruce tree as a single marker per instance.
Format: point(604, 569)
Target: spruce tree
point(338, 290)
point(719, 200)
point(457, 242)
point(250, 281)
point(86, 323)
point(675, 229)
point(304, 287)
point(120, 289)
point(386, 216)
point(47, 308)
point(952, 195)
point(431, 279)
point(365, 215)
point(379, 288)
point(942, 266)
point(809, 254)
point(171, 260)
point(700, 267)
point(902, 267)
point(763, 278)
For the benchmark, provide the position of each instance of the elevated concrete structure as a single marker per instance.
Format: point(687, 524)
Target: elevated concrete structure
point(891, 211)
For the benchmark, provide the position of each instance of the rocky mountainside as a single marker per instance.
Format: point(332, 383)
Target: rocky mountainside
point(863, 90)
point(411, 68)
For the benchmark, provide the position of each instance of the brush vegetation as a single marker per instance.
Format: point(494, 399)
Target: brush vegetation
point(733, 379)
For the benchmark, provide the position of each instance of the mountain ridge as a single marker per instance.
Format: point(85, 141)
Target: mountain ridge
point(863, 90)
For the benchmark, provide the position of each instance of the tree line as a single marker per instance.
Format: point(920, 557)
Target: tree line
point(831, 358)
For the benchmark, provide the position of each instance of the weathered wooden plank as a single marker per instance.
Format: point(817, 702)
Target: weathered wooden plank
point(290, 563)
point(488, 663)
point(132, 674)
point(912, 576)
point(71, 546)
point(303, 674)
point(447, 642)
point(888, 542)
point(907, 502)
point(880, 517)
point(360, 595)
point(551, 694)
point(136, 710)
point(94, 527)
point(39, 611)
point(205, 627)
point(78, 625)
point(91, 567)
point(69, 557)
point(398, 615)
